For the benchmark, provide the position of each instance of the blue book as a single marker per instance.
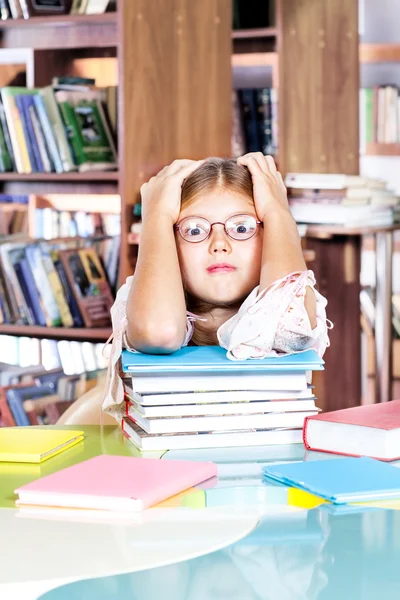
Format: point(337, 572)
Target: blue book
point(340, 480)
point(213, 358)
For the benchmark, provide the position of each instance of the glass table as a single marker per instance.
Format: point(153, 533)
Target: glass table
point(234, 538)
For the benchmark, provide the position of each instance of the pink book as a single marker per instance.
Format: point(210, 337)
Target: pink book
point(115, 483)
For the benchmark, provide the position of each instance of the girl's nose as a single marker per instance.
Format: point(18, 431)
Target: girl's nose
point(219, 241)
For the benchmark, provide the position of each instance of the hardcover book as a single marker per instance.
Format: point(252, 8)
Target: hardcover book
point(372, 430)
point(89, 284)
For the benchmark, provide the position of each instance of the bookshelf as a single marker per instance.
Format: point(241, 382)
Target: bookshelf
point(379, 54)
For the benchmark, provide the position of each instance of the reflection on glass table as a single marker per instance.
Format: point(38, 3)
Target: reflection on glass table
point(321, 554)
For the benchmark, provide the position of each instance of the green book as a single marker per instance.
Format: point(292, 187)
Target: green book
point(90, 138)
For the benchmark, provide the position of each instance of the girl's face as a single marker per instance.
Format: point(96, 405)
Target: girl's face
point(220, 270)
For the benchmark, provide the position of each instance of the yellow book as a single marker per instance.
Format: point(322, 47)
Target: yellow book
point(31, 445)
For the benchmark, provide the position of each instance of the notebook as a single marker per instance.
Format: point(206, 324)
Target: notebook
point(31, 445)
point(213, 358)
point(115, 483)
point(372, 430)
point(340, 480)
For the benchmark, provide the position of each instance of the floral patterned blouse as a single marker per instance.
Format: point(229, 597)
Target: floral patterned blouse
point(269, 323)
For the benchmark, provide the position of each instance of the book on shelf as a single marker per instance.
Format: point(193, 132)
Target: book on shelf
point(58, 283)
point(337, 199)
point(40, 398)
point(58, 128)
point(379, 116)
point(371, 430)
point(202, 399)
point(254, 121)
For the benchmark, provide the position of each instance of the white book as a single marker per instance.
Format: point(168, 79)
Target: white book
point(146, 441)
point(96, 7)
point(220, 422)
point(224, 408)
point(296, 380)
point(214, 397)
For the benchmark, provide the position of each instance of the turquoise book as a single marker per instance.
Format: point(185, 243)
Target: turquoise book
point(340, 480)
point(214, 359)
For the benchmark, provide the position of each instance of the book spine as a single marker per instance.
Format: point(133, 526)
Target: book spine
point(24, 9)
point(70, 298)
point(4, 10)
point(25, 292)
point(43, 285)
point(58, 129)
point(7, 138)
point(41, 141)
point(33, 299)
point(5, 156)
point(17, 409)
point(13, 287)
point(48, 133)
point(72, 128)
point(56, 286)
point(249, 113)
point(15, 9)
point(33, 148)
point(29, 106)
point(20, 103)
point(20, 149)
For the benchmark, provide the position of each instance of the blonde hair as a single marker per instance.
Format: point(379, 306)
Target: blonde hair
point(214, 173)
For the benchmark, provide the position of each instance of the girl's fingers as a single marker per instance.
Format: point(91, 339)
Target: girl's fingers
point(183, 164)
point(252, 164)
point(281, 183)
point(258, 157)
point(271, 164)
point(186, 169)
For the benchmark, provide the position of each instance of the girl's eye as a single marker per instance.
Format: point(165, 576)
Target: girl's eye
point(193, 231)
point(242, 227)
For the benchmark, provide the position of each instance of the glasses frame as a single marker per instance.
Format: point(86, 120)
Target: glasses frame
point(177, 227)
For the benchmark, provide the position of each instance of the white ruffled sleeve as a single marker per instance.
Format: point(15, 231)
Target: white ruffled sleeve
point(113, 401)
point(275, 321)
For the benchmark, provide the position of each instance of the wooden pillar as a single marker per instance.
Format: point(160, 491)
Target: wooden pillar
point(175, 90)
point(319, 133)
point(318, 86)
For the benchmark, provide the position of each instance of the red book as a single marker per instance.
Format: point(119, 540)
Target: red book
point(372, 430)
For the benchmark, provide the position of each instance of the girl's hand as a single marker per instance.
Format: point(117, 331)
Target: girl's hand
point(162, 194)
point(268, 188)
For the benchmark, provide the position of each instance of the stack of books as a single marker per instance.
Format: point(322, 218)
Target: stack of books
point(337, 199)
point(198, 398)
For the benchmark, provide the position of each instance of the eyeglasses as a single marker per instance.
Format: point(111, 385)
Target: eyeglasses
point(198, 229)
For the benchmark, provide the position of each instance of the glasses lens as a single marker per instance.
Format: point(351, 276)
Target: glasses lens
point(241, 227)
point(194, 229)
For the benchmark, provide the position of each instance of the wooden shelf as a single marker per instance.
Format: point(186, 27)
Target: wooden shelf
point(60, 32)
point(59, 21)
point(255, 59)
point(57, 333)
point(93, 176)
point(97, 182)
point(376, 53)
point(375, 149)
point(247, 34)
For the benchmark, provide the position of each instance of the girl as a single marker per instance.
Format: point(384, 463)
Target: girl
point(220, 262)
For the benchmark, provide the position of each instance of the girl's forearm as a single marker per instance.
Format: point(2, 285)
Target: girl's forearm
point(282, 254)
point(156, 309)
